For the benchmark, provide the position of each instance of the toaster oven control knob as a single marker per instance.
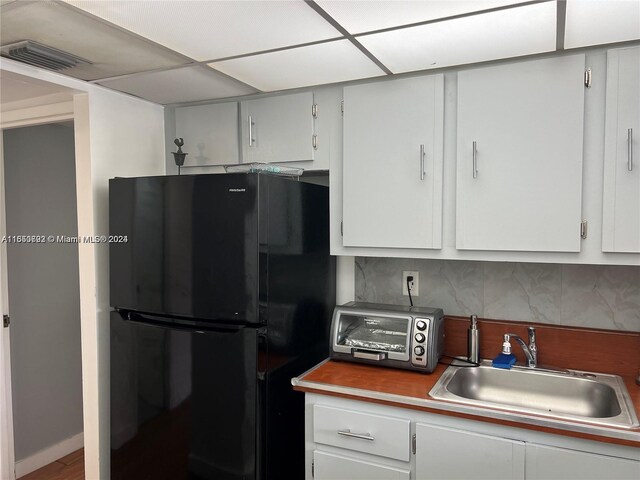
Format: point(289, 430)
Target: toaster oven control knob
point(420, 337)
point(421, 325)
point(419, 351)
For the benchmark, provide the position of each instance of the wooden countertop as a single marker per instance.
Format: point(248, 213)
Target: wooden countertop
point(401, 388)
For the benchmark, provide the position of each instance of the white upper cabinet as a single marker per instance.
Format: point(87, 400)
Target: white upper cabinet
point(278, 129)
point(392, 163)
point(210, 133)
point(621, 195)
point(519, 156)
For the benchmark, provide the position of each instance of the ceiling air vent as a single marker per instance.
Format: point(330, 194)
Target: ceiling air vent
point(39, 55)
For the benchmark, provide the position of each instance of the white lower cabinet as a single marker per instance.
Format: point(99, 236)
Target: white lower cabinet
point(372, 434)
point(552, 463)
point(447, 453)
point(328, 466)
point(350, 444)
point(359, 440)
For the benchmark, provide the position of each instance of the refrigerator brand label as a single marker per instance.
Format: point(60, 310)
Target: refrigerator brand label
point(237, 189)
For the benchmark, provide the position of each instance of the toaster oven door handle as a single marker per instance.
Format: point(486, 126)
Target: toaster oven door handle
point(363, 436)
point(369, 355)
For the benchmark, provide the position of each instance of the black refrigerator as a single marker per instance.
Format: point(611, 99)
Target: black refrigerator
point(222, 289)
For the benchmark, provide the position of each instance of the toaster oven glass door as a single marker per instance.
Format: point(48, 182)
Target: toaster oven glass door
point(361, 333)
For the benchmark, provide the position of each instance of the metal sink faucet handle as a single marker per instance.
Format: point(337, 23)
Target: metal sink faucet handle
point(531, 350)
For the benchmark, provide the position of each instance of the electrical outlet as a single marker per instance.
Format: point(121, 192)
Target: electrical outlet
point(415, 291)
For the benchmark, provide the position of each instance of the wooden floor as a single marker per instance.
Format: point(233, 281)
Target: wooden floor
point(70, 467)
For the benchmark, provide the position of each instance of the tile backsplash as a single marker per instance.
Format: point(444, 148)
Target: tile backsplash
point(598, 296)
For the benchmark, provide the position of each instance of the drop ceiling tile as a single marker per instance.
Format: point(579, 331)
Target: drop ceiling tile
point(365, 16)
point(189, 84)
point(596, 22)
point(209, 30)
point(111, 50)
point(330, 62)
point(503, 34)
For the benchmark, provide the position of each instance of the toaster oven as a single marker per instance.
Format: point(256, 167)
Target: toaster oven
point(411, 338)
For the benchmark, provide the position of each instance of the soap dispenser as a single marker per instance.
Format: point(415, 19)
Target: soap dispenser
point(473, 341)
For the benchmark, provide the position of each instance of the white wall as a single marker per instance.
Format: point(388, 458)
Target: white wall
point(116, 135)
point(126, 138)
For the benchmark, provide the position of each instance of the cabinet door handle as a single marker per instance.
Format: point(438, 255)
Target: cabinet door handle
point(362, 436)
point(475, 160)
point(630, 149)
point(422, 172)
point(251, 124)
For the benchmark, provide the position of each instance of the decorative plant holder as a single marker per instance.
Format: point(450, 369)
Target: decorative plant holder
point(179, 156)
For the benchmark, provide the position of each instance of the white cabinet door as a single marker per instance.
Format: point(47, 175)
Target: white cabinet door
point(520, 188)
point(210, 133)
point(552, 463)
point(392, 163)
point(621, 203)
point(278, 129)
point(446, 453)
point(328, 466)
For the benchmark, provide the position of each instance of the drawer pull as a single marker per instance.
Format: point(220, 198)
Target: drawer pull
point(362, 436)
point(630, 149)
point(251, 123)
point(475, 160)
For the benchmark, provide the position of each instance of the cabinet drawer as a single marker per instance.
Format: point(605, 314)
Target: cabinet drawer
point(367, 433)
point(336, 467)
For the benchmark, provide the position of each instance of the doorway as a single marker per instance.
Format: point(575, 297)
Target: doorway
point(43, 293)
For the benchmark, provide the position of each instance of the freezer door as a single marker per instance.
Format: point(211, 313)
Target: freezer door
point(186, 246)
point(184, 403)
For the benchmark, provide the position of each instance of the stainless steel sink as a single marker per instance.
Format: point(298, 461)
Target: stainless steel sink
point(583, 396)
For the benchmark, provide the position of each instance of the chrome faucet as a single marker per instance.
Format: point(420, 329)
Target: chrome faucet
point(530, 351)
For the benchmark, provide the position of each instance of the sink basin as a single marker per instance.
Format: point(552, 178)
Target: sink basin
point(582, 396)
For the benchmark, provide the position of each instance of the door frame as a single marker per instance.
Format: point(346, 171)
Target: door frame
point(7, 453)
point(39, 115)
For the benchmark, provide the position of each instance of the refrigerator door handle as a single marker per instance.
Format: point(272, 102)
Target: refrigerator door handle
point(177, 323)
point(262, 354)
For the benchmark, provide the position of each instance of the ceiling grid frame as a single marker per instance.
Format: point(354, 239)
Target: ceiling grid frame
point(343, 32)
